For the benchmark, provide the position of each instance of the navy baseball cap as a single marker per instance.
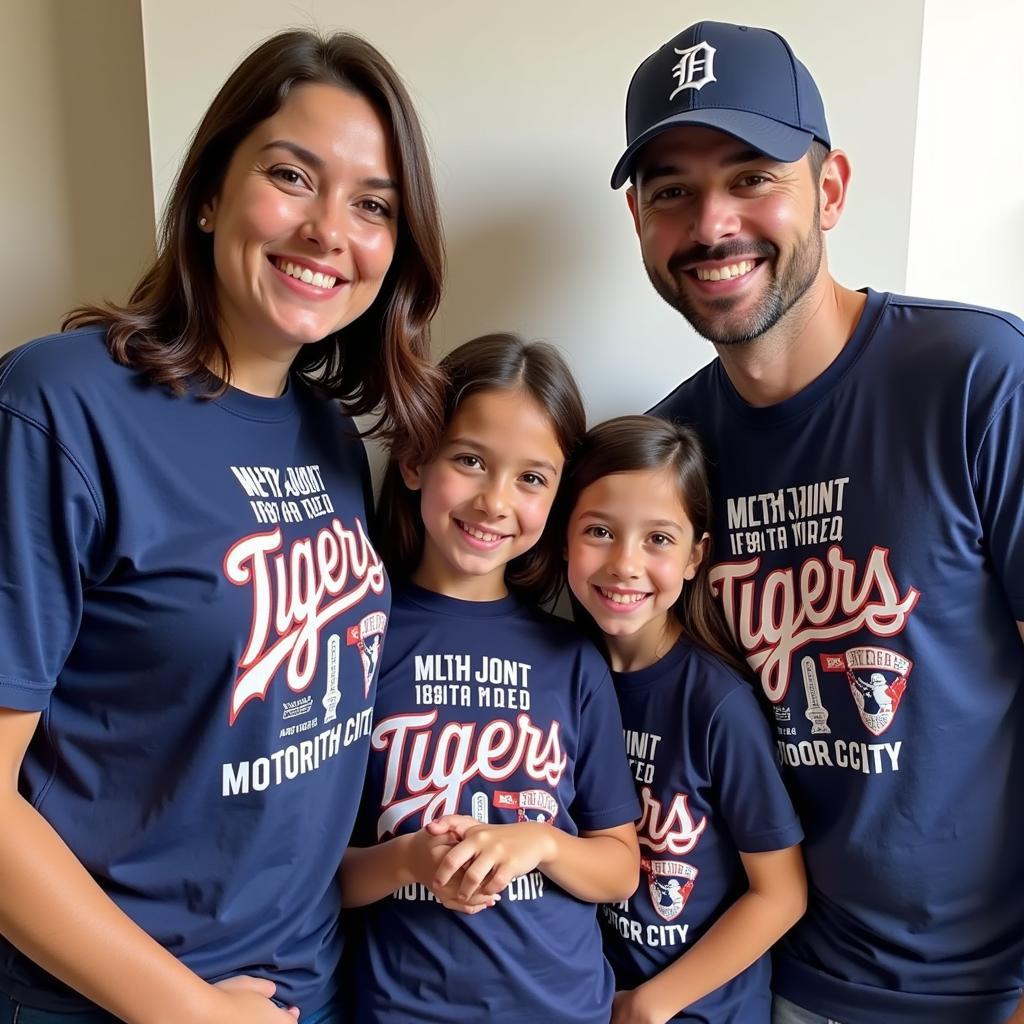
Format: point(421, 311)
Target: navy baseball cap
point(739, 80)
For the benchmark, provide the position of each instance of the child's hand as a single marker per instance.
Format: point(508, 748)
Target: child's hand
point(490, 856)
point(427, 851)
point(631, 1007)
point(245, 999)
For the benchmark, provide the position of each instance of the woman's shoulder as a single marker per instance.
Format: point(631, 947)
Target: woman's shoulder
point(71, 363)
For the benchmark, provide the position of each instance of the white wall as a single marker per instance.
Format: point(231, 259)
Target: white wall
point(523, 104)
point(77, 207)
point(967, 219)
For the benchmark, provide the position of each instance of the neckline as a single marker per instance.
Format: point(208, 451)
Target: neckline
point(445, 605)
point(652, 673)
point(258, 407)
point(796, 405)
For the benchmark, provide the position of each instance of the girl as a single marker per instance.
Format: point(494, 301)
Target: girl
point(186, 570)
point(721, 875)
point(495, 724)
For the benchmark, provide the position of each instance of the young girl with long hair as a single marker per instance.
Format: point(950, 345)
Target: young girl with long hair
point(721, 876)
point(496, 766)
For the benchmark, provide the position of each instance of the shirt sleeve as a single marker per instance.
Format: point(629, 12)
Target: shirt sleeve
point(753, 801)
point(50, 526)
point(998, 476)
point(605, 792)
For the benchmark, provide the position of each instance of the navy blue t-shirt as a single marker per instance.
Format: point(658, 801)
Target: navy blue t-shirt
point(870, 557)
point(704, 766)
point(502, 712)
point(190, 599)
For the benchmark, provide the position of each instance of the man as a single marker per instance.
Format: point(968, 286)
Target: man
point(868, 455)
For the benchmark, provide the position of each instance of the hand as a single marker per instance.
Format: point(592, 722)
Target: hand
point(490, 856)
point(427, 849)
point(246, 1000)
point(630, 1007)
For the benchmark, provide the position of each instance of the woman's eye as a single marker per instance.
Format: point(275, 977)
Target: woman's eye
point(288, 175)
point(376, 208)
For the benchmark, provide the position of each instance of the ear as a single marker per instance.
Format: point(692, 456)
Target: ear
point(632, 203)
point(697, 553)
point(410, 475)
point(832, 188)
point(208, 213)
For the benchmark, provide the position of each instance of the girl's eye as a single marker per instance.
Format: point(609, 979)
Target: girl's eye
point(597, 532)
point(469, 461)
point(534, 480)
point(661, 540)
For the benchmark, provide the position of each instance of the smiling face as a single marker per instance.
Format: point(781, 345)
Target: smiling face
point(486, 495)
point(730, 238)
point(631, 547)
point(305, 223)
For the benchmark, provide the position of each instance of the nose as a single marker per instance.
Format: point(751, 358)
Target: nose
point(624, 562)
point(714, 218)
point(328, 224)
point(493, 499)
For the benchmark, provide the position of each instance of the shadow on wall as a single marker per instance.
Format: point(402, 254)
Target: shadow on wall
point(100, 55)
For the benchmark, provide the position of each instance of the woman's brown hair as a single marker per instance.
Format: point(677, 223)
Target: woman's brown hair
point(379, 363)
point(632, 444)
point(494, 362)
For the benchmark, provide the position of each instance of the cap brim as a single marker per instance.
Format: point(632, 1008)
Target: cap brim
point(775, 140)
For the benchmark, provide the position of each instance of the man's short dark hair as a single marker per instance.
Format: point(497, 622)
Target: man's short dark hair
point(816, 155)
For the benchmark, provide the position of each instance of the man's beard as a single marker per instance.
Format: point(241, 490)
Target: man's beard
point(711, 317)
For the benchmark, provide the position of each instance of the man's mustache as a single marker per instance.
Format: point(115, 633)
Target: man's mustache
point(734, 247)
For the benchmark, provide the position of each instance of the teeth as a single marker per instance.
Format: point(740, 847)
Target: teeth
point(300, 273)
point(725, 273)
point(616, 597)
point(481, 534)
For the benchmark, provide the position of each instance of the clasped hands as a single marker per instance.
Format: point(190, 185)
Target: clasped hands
point(467, 864)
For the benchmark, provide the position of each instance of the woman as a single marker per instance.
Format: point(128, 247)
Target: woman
point(190, 611)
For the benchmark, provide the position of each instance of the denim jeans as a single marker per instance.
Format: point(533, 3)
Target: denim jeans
point(785, 1012)
point(12, 1012)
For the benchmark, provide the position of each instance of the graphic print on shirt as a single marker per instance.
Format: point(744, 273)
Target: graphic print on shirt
point(667, 834)
point(432, 758)
point(298, 589)
point(816, 600)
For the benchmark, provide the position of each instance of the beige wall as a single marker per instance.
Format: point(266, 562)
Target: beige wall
point(77, 206)
point(523, 104)
point(968, 199)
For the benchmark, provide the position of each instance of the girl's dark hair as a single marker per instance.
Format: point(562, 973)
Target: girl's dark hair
point(631, 444)
point(379, 363)
point(494, 362)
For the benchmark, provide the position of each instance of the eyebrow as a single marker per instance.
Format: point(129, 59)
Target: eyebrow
point(309, 157)
point(468, 442)
point(593, 513)
point(743, 156)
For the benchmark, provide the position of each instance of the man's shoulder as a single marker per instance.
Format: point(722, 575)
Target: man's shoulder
point(946, 325)
point(687, 399)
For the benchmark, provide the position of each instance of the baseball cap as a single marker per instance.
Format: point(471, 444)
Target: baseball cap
point(740, 80)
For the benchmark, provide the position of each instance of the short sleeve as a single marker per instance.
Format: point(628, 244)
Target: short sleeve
point(50, 528)
point(752, 797)
point(605, 792)
point(999, 490)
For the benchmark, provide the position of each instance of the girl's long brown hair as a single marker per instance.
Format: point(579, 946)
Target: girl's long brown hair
point(379, 363)
point(494, 362)
point(631, 444)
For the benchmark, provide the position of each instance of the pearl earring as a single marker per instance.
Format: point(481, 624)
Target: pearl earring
point(202, 222)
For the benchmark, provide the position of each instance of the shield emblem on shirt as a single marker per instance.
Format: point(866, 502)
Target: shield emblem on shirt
point(669, 883)
point(877, 678)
